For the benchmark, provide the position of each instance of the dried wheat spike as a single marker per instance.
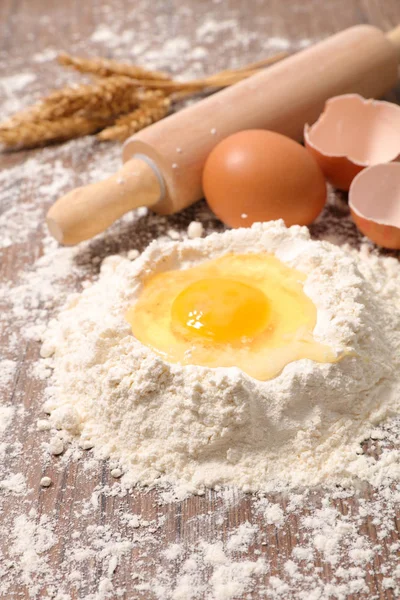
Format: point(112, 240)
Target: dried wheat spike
point(30, 134)
point(103, 67)
point(153, 107)
point(107, 97)
point(196, 85)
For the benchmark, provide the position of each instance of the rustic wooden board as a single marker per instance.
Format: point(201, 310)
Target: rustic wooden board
point(30, 26)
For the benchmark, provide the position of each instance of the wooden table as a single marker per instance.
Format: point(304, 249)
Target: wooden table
point(77, 500)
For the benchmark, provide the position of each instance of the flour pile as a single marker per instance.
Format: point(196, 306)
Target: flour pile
point(195, 427)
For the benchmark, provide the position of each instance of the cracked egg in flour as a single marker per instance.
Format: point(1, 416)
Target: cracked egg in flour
point(238, 310)
point(196, 426)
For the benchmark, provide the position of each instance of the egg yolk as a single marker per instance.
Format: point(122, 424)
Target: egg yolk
point(218, 309)
point(239, 310)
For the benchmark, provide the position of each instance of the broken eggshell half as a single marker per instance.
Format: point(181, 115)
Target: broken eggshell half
point(351, 134)
point(374, 201)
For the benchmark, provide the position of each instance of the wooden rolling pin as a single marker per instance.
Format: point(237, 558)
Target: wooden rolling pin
point(164, 162)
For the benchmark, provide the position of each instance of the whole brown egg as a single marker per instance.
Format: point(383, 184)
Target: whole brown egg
point(259, 175)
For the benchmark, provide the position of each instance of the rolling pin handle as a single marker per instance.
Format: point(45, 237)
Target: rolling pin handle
point(89, 210)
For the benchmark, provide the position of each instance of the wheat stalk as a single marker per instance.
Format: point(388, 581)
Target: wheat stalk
point(122, 100)
point(103, 67)
point(107, 97)
point(30, 134)
point(153, 107)
point(170, 86)
point(257, 65)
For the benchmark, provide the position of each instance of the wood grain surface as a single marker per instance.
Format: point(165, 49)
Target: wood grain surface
point(31, 26)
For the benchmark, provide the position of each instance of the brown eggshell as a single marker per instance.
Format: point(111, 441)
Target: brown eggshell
point(259, 175)
point(351, 134)
point(374, 200)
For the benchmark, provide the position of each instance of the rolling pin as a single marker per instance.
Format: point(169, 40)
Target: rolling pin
point(163, 163)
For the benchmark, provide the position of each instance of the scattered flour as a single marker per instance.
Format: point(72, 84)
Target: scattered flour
point(7, 412)
point(16, 83)
point(186, 56)
point(7, 372)
point(30, 541)
point(45, 56)
point(272, 513)
point(15, 483)
point(6, 416)
point(240, 540)
point(19, 221)
point(213, 566)
point(12, 88)
point(45, 482)
point(195, 230)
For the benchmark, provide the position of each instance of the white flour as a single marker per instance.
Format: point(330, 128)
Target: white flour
point(195, 427)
